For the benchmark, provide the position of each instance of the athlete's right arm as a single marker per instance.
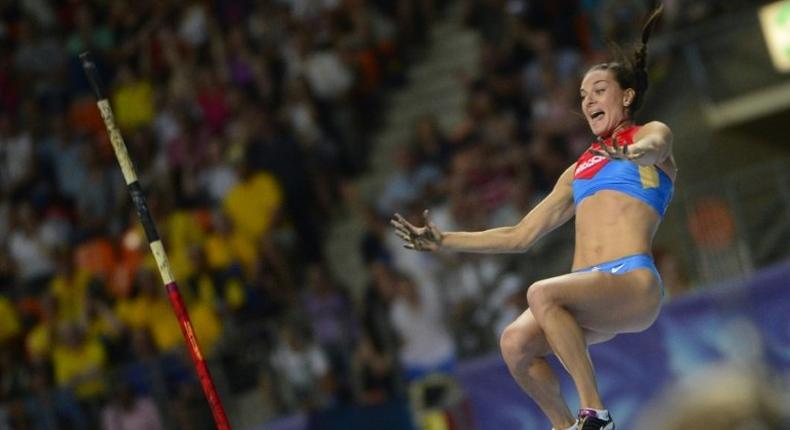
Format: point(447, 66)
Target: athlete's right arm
point(553, 211)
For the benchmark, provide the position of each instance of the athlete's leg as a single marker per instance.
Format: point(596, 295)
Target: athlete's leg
point(524, 347)
point(568, 305)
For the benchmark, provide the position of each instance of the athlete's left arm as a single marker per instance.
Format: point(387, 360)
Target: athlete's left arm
point(652, 144)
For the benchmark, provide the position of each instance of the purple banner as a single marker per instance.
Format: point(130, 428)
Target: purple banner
point(731, 322)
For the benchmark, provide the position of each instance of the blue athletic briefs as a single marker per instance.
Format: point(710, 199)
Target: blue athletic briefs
point(626, 264)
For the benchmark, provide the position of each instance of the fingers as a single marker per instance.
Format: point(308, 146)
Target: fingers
point(405, 231)
point(607, 151)
point(425, 217)
point(425, 238)
point(615, 152)
point(401, 231)
point(400, 223)
point(621, 151)
point(615, 145)
point(599, 152)
point(432, 230)
point(410, 239)
point(403, 235)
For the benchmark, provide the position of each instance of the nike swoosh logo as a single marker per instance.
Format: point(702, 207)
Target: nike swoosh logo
point(617, 268)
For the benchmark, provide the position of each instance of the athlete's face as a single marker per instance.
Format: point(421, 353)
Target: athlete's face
point(604, 102)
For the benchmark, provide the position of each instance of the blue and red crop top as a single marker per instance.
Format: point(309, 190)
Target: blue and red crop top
point(595, 173)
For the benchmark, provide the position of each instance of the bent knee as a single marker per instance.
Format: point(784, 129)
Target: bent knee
point(522, 341)
point(540, 296)
point(509, 342)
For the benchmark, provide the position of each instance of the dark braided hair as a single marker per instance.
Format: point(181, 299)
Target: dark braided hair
point(632, 72)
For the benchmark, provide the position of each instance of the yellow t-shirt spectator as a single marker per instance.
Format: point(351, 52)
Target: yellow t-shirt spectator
point(80, 367)
point(105, 324)
point(9, 320)
point(252, 205)
point(154, 314)
point(207, 325)
point(163, 325)
point(184, 231)
point(166, 330)
point(133, 312)
point(38, 341)
point(133, 104)
point(71, 294)
point(221, 251)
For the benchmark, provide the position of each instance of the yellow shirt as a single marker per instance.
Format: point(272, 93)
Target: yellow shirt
point(207, 325)
point(103, 326)
point(71, 363)
point(252, 205)
point(133, 105)
point(38, 342)
point(132, 312)
point(164, 327)
point(71, 294)
point(222, 251)
point(183, 232)
point(219, 252)
point(9, 320)
point(154, 314)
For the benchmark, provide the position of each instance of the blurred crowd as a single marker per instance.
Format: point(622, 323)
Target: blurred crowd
point(246, 121)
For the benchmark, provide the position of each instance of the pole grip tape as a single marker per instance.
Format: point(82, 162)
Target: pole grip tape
point(116, 140)
point(92, 74)
point(142, 211)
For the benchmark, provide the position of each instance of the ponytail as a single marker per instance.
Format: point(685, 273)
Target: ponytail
point(632, 72)
point(639, 63)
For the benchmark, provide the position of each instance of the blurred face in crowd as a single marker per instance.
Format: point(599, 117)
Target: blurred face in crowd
point(384, 280)
point(408, 290)
point(603, 102)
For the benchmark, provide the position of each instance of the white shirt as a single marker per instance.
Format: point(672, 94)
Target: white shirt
point(30, 256)
point(16, 158)
point(426, 340)
point(328, 76)
point(301, 368)
point(143, 415)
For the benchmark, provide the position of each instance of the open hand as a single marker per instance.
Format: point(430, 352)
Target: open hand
point(427, 238)
point(617, 152)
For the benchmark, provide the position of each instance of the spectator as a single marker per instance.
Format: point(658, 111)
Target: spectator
point(373, 245)
point(128, 410)
point(426, 344)
point(375, 371)
point(15, 384)
point(40, 339)
point(69, 287)
point(78, 362)
point(217, 177)
point(331, 317)
point(10, 324)
point(133, 100)
point(16, 153)
point(408, 184)
point(303, 367)
point(254, 204)
point(30, 251)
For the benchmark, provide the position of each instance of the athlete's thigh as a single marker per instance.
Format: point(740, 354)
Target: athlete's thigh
point(530, 335)
point(603, 302)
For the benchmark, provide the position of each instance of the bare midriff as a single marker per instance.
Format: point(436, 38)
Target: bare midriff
point(612, 225)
